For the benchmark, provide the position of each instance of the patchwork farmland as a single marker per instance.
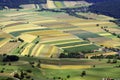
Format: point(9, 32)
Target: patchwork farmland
point(58, 46)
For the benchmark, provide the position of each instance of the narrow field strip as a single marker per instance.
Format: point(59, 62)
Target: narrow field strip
point(44, 21)
point(75, 46)
point(66, 42)
point(65, 66)
point(39, 50)
point(62, 41)
point(35, 49)
point(89, 23)
point(26, 50)
point(72, 43)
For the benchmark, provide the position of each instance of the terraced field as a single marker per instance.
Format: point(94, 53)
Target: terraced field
point(58, 30)
point(47, 34)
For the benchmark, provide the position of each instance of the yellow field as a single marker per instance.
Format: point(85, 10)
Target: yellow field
point(27, 49)
point(111, 43)
point(7, 22)
point(5, 35)
point(52, 35)
point(65, 66)
point(90, 23)
point(27, 37)
point(17, 14)
point(75, 46)
point(95, 16)
point(45, 32)
point(105, 34)
point(38, 52)
point(22, 27)
point(44, 21)
point(108, 53)
point(53, 52)
point(50, 4)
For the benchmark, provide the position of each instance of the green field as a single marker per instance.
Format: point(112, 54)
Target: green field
point(72, 44)
point(85, 48)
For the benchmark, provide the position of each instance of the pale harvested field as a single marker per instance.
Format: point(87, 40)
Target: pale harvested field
point(58, 38)
point(92, 29)
point(50, 4)
point(8, 47)
point(105, 54)
point(70, 3)
point(52, 35)
point(115, 30)
point(27, 37)
point(7, 22)
point(56, 25)
point(18, 14)
point(3, 42)
point(5, 35)
point(90, 23)
point(111, 43)
point(44, 21)
point(99, 39)
point(65, 66)
point(95, 16)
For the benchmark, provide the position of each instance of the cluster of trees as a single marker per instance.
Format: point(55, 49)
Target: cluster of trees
point(111, 49)
point(21, 40)
point(112, 61)
point(111, 58)
point(61, 78)
point(23, 75)
point(70, 11)
point(10, 58)
point(116, 21)
point(72, 55)
point(83, 73)
point(113, 33)
point(35, 64)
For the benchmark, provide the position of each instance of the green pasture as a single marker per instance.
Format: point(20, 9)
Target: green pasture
point(72, 44)
point(87, 35)
point(84, 48)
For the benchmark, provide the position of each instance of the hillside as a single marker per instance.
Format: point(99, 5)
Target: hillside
point(46, 3)
point(110, 8)
point(17, 3)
